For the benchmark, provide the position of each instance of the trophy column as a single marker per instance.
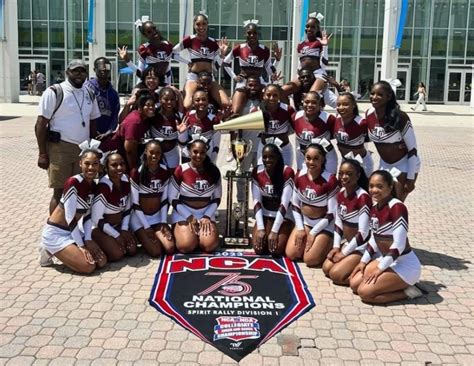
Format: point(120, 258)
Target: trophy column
point(237, 234)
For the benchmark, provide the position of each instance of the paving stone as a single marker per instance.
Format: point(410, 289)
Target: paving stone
point(169, 356)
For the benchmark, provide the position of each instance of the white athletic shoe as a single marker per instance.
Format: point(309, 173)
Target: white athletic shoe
point(45, 258)
point(413, 292)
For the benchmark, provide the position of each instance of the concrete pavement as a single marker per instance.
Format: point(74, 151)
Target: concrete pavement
point(50, 316)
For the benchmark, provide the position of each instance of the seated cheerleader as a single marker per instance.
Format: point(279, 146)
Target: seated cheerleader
point(200, 122)
point(149, 218)
point(62, 236)
point(111, 210)
point(389, 269)
point(277, 122)
point(312, 123)
point(272, 187)
point(167, 125)
point(350, 131)
point(314, 207)
point(392, 132)
point(352, 221)
point(195, 193)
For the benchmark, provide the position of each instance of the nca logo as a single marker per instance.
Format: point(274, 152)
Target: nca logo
point(204, 51)
point(235, 344)
point(274, 124)
point(123, 201)
point(374, 223)
point(155, 184)
point(342, 136)
point(252, 60)
point(167, 130)
point(201, 184)
point(379, 131)
point(269, 189)
point(307, 135)
point(161, 55)
point(342, 210)
point(310, 193)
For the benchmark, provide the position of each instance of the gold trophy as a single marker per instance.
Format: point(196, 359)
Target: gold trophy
point(234, 235)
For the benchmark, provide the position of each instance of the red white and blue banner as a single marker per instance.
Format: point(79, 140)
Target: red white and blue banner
point(234, 301)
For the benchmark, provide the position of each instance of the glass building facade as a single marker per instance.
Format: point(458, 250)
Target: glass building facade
point(437, 47)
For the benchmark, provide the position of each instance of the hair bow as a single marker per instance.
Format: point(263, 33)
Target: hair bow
point(394, 172)
point(203, 13)
point(325, 144)
point(106, 155)
point(250, 21)
point(316, 15)
point(139, 22)
point(274, 141)
point(198, 137)
point(93, 145)
point(157, 139)
point(350, 155)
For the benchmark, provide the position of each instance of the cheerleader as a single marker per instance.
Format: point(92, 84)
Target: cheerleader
point(149, 218)
point(272, 187)
point(195, 194)
point(169, 127)
point(200, 121)
point(62, 236)
point(312, 123)
point(389, 269)
point(314, 207)
point(254, 58)
point(157, 52)
point(206, 55)
point(391, 131)
point(110, 210)
point(277, 123)
point(352, 221)
point(350, 131)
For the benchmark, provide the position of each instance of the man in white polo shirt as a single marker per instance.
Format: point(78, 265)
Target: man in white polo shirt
point(59, 132)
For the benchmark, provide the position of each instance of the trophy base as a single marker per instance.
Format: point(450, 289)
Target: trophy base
point(236, 242)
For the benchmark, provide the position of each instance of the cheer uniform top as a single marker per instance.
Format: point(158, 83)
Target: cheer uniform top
point(410, 164)
point(258, 58)
point(278, 122)
point(203, 127)
point(306, 130)
point(149, 54)
point(313, 49)
point(76, 199)
point(109, 200)
point(263, 190)
point(391, 222)
point(188, 184)
point(200, 51)
point(319, 192)
point(165, 128)
point(353, 211)
point(352, 135)
point(150, 185)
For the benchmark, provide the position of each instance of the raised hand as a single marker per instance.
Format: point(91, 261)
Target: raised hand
point(123, 54)
point(223, 46)
point(325, 38)
point(277, 51)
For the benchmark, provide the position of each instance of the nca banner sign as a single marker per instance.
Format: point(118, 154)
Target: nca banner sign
point(234, 301)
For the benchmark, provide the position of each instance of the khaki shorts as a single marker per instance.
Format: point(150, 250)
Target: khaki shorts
point(63, 162)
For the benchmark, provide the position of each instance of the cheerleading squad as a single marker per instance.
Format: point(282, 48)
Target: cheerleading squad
point(347, 218)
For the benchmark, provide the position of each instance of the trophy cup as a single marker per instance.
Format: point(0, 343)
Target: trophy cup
point(235, 236)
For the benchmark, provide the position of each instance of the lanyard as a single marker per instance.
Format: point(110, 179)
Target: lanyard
point(80, 106)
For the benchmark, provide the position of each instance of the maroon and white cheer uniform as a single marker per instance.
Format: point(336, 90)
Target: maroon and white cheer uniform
point(188, 184)
point(390, 223)
point(307, 130)
point(353, 211)
point(263, 190)
point(320, 192)
point(76, 199)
